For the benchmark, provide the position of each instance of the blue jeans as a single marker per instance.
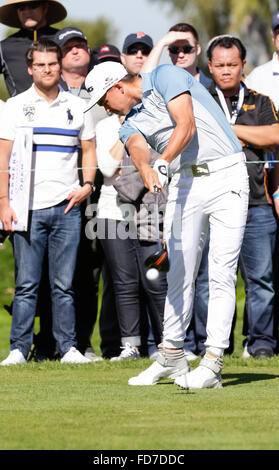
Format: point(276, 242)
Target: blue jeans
point(256, 264)
point(49, 229)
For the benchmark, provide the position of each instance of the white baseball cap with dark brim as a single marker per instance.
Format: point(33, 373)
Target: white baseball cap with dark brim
point(8, 15)
point(101, 79)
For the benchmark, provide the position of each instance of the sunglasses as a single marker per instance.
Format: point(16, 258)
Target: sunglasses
point(186, 49)
point(145, 50)
point(30, 5)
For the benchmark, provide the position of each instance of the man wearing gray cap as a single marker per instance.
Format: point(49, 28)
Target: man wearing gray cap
point(265, 77)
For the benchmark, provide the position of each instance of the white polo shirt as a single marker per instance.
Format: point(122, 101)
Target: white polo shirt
point(57, 129)
point(265, 79)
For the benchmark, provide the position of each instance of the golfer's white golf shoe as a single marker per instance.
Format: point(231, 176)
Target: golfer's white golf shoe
point(206, 375)
point(162, 368)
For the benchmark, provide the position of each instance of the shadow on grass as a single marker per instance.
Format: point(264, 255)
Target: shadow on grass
point(244, 378)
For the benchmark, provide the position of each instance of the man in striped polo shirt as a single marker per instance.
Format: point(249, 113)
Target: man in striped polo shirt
point(58, 124)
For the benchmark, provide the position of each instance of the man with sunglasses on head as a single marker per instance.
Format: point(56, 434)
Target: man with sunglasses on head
point(33, 18)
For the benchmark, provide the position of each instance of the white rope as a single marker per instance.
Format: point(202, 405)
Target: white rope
point(262, 162)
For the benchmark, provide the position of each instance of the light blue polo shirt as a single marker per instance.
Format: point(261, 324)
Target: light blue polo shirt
point(214, 137)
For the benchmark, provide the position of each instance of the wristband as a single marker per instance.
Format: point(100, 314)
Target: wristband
point(275, 196)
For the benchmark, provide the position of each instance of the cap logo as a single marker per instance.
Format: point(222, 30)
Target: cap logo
point(140, 35)
point(105, 49)
point(109, 81)
point(91, 88)
point(61, 36)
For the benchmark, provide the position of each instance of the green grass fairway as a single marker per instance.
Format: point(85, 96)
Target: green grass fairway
point(49, 406)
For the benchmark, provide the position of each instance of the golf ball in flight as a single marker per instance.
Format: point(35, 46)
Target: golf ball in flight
point(152, 274)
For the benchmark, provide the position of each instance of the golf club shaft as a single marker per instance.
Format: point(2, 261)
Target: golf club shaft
point(156, 217)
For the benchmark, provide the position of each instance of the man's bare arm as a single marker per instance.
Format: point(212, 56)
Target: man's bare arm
point(260, 136)
point(153, 58)
point(140, 155)
point(181, 110)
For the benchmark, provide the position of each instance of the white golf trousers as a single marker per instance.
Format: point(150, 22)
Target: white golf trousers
point(218, 200)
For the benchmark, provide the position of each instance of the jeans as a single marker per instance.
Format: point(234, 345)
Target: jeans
point(59, 234)
point(125, 258)
point(256, 264)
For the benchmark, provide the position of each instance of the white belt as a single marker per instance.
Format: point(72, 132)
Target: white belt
point(215, 165)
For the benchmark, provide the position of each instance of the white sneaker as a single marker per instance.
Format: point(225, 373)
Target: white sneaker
point(15, 357)
point(190, 356)
point(162, 368)
point(90, 354)
point(73, 356)
point(206, 375)
point(245, 354)
point(129, 352)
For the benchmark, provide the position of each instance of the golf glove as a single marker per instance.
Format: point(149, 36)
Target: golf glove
point(162, 168)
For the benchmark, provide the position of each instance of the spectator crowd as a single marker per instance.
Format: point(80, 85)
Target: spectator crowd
point(91, 215)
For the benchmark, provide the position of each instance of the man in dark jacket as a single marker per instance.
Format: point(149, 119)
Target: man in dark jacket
point(34, 19)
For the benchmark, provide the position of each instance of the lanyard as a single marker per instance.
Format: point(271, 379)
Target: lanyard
point(232, 119)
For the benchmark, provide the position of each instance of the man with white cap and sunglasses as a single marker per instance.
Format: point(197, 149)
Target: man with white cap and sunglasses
point(172, 112)
point(33, 18)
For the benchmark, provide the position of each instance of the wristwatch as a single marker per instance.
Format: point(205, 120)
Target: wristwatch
point(91, 184)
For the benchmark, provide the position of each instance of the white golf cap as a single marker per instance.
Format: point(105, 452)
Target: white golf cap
point(101, 79)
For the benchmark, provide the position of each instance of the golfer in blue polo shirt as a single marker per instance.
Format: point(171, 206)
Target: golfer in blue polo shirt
point(203, 160)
